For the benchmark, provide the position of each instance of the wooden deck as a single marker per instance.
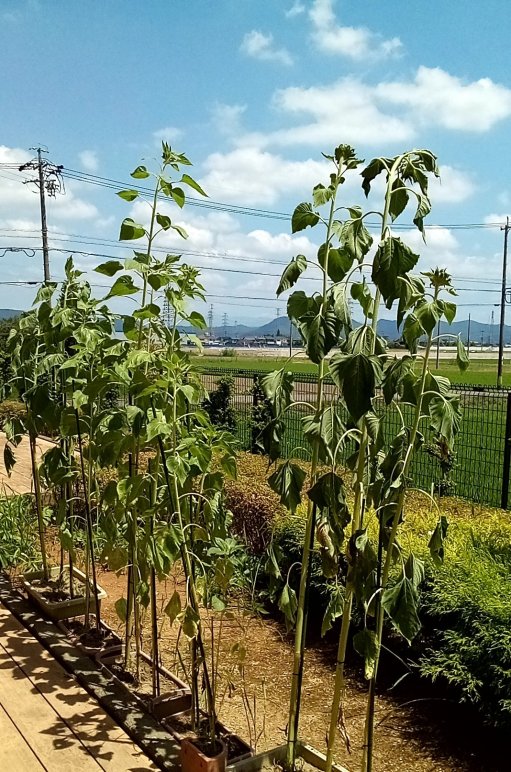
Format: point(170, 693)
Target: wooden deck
point(20, 480)
point(47, 722)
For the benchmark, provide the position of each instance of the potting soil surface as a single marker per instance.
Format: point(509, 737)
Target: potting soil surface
point(417, 729)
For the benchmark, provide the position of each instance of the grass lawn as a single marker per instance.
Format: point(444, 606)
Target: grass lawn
point(481, 371)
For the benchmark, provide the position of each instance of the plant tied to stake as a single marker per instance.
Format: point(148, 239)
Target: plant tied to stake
point(348, 430)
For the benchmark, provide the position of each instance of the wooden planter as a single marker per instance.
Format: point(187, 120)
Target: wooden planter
point(64, 609)
point(176, 700)
point(270, 760)
point(108, 651)
point(194, 760)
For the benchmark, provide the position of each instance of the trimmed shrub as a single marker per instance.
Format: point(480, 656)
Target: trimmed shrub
point(219, 407)
point(252, 503)
point(10, 409)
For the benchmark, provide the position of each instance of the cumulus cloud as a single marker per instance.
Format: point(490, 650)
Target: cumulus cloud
point(434, 97)
point(356, 43)
point(89, 160)
point(260, 46)
point(252, 176)
point(453, 187)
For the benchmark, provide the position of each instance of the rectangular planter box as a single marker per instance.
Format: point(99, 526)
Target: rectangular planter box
point(107, 653)
point(270, 760)
point(65, 609)
point(176, 700)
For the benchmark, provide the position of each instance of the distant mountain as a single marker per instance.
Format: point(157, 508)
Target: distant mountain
point(480, 333)
point(9, 313)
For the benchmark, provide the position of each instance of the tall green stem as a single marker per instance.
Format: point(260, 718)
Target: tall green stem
point(340, 681)
point(308, 544)
point(38, 502)
point(367, 764)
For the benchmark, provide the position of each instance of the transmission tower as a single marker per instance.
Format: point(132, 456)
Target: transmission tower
point(225, 320)
point(210, 321)
point(49, 181)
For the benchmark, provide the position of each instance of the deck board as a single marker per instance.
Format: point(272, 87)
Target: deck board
point(52, 721)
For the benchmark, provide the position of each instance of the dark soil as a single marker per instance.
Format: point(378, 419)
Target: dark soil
point(55, 590)
point(90, 636)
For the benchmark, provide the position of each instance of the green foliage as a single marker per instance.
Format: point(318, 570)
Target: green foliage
point(469, 621)
point(218, 405)
point(18, 533)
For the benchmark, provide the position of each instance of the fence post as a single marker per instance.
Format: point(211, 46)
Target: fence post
point(255, 402)
point(507, 456)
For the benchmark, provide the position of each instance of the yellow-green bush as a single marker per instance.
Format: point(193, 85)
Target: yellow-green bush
point(10, 409)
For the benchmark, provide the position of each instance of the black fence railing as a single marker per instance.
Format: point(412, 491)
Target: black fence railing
point(481, 470)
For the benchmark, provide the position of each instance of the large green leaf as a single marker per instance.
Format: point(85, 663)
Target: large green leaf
point(428, 313)
point(401, 602)
point(320, 333)
point(110, 268)
point(128, 195)
point(412, 331)
point(334, 608)
point(393, 260)
point(131, 230)
point(398, 200)
point(278, 388)
point(365, 644)
point(327, 429)
point(321, 195)
point(339, 302)
point(436, 543)
point(445, 415)
point(356, 375)
point(140, 173)
point(173, 607)
point(362, 294)
point(462, 359)
point(303, 216)
point(354, 236)
point(292, 273)
point(288, 482)
point(288, 604)
point(122, 286)
point(193, 184)
point(395, 371)
point(299, 305)
point(339, 262)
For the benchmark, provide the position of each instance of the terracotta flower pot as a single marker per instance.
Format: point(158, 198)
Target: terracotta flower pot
point(193, 759)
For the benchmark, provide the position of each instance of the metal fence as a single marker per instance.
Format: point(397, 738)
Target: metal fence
point(483, 444)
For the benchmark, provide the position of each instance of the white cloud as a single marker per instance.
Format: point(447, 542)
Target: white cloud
point(435, 97)
point(260, 46)
point(494, 219)
point(453, 187)
point(167, 134)
point(227, 118)
point(89, 160)
point(350, 110)
point(344, 111)
point(356, 43)
point(250, 176)
point(296, 10)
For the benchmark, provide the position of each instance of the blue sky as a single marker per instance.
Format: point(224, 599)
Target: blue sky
point(253, 92)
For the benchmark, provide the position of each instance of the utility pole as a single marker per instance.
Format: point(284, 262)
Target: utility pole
point(505, 228)
point(468, 335)
point(49, 180)
point(438, 344)
point(224, 322)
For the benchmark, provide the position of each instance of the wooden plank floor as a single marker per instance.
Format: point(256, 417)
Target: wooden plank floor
point(20, 479)
point(47, 722)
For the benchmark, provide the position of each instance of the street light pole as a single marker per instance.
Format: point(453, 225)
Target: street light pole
point(505, 228)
